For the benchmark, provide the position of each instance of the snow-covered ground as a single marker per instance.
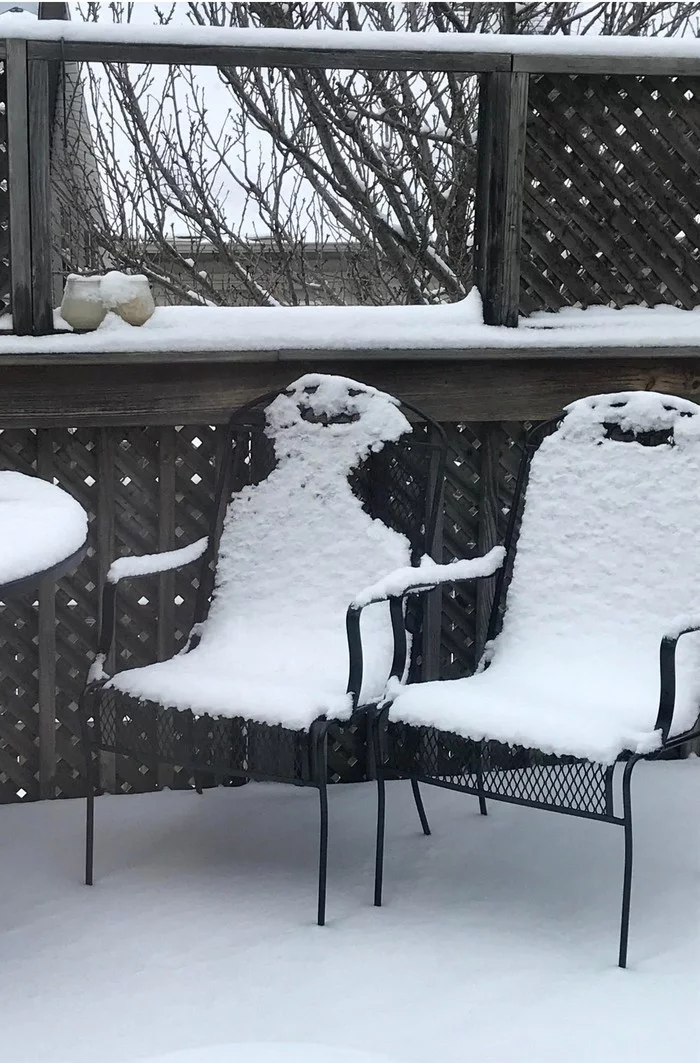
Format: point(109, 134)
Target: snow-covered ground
point(497, 941)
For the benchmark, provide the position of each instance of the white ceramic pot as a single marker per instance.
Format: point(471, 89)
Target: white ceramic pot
point(82, 305)
point(128, 296)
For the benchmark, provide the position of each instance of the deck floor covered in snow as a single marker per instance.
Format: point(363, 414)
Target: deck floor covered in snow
point(497, 941)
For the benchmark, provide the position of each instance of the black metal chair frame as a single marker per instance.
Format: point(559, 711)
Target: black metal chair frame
point(219, 750)
point(516, 775)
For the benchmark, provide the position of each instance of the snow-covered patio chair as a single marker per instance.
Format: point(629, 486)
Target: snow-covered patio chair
point(351, 489)
point(584, 670)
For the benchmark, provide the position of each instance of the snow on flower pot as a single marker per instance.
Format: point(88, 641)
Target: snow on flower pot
point(82, 306)
point(128, 296)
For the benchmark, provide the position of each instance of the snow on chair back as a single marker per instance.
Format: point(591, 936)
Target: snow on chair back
point(607, 558)
point(293, 550)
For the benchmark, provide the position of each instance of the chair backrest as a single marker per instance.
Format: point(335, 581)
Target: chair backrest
point(608, 550)
point(323, 488)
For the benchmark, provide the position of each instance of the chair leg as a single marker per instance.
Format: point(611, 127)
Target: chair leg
point(319, 759)
point(627, 877)
point(375, 750)
point(379, 851)
point(480, 782)
point(89, 819)
point(417, 797)
point(323, 854)
point(91, 782)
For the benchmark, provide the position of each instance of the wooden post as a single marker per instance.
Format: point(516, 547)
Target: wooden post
point(166, 541)
point(47, 646)
point(5, 279)
point(432, 617)
point(40, 196)
point(106, 503)
point(19, 192)
point(167, 439)
point(499, 194)
point(487, 534)
point(28, 144)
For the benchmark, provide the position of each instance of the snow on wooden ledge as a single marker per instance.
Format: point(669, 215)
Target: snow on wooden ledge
point(456, 327)
point(24, 26)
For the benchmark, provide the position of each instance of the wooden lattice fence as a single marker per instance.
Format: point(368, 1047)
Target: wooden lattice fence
point(611, 203)
point(150, 489)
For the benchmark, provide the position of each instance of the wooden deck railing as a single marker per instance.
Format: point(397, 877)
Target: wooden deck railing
point(586, 187)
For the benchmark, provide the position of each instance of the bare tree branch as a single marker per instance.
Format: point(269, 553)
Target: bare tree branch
point(300, 185)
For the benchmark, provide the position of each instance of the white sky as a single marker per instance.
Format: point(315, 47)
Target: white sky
point(218, 102)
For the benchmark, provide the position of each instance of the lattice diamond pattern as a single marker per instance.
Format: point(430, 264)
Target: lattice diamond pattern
point(466, 508)
point(136, 532)
point(19, 724)
point(133, 458)
point(75, 468)
point(196, 464)
point(611, 198)
point(19, 680)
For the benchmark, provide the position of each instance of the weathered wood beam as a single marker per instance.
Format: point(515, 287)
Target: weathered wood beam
point(637, 65)
point(18, 186)
point(499, 194)
point(57, 12)
point(467, 60)
point(47, 648)
point(488, 390)
point(105, 540)
point(327, 360)
point(347, 58)
point(40, 195)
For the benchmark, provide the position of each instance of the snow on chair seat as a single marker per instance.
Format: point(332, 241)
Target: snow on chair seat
point(293, 548)
point(608, 556)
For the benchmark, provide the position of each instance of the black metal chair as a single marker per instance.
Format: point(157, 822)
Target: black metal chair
point(570, 689)
point(302, 473)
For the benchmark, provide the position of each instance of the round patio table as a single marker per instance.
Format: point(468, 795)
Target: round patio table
point(43, 532)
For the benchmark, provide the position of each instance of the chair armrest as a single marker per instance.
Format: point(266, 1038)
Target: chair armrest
point(129, 568)
point(150, 564)
point(428, 576)
point(394, 588)
point(667, 666)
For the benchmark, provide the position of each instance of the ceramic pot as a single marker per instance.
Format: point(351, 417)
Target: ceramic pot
point(82, 306)
point(128, 296)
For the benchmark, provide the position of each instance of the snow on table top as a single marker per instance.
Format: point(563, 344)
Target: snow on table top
point(294, 550)
point(608, 557)
point(457, 326)
point(24, 26)
point(40, 526)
